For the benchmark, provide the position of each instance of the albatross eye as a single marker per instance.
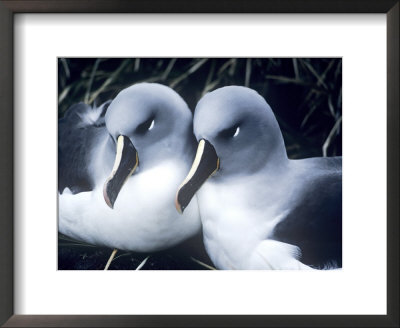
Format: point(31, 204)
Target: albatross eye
point(231, 132)
point(145, 126)
point(151, 125)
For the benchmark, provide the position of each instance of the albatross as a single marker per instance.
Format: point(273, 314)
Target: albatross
point(119, 167)
point(259, 209)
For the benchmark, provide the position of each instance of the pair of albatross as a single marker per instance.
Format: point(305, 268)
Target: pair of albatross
point(258, 209)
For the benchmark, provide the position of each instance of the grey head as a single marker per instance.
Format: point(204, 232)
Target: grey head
point(147, 123)
point(241, 126)
point(238, 135)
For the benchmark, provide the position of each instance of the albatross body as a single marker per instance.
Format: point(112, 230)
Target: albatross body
point(259, 209)
point(119, 168)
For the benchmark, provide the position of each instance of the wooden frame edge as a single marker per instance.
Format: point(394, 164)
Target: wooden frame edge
point(9, 8)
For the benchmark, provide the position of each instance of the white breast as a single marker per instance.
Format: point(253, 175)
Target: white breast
point(233, 223)
point(144, 217)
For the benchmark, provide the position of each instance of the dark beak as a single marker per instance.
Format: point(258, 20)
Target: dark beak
point(126, 161)
point(205, 164)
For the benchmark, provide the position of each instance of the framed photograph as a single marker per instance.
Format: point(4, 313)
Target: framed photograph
point(325, 78)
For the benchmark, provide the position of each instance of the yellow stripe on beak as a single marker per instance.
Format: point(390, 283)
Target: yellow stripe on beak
point(126, 162)
point(205, 164)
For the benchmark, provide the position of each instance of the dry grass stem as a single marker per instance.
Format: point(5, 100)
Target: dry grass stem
point(320, 80)
point(168, 69)
point(285, 79)
point(330, 137)
point(296, 69)
point(95, 66)
point(107, 82)
point(202, 264)
point(185, 75)
point(142, 263)
point(248, 73)
point(111, 258)
point(66, 68)
point(136, 65)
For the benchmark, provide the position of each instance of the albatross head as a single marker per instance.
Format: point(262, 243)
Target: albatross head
point(148, 123)
point(238, 135)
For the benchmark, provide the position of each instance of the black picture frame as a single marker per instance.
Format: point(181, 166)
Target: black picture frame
point(10, 7)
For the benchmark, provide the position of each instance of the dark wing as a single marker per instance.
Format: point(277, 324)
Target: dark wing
point(315, 224)
point(78, 132)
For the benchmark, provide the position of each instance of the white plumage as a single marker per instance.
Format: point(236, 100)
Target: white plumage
point(143, 218)
point(260, 210)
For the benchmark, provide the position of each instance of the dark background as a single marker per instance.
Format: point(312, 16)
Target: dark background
point(304, 93)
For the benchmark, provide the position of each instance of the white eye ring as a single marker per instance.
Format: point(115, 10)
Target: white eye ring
point(151, 125)
point(236, 132)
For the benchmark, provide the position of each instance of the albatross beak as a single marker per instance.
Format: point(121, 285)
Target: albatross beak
point(126, 161)
point(205, 164)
